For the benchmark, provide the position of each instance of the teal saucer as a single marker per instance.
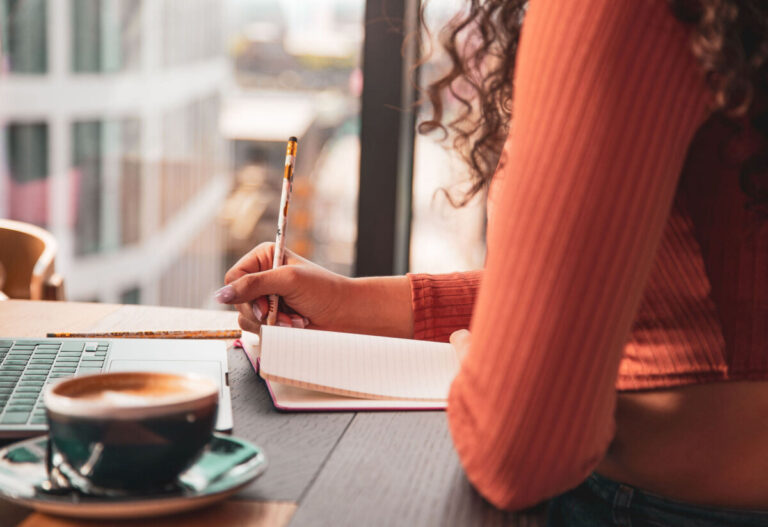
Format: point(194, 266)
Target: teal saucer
point(227, 465)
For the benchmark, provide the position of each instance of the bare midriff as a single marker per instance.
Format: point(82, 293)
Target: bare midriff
point(703, 444)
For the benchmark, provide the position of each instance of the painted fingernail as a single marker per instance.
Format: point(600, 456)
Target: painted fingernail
point(305, 320)
point(296, 321)
point(225, 294)
point(257, 312)
point(283, 323)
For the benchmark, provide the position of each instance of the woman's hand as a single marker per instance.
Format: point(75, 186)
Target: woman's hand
point(460, 341)
point(315, 297)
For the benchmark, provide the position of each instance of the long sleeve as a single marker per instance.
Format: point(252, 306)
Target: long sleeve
point(607, 99)
point(442, 303)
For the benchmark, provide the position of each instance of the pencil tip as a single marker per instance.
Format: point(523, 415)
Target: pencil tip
point(293, 138)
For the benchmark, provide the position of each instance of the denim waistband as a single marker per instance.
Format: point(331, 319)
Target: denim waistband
point(624, 499)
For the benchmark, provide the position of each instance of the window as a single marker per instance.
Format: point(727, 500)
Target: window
point(443, 238)
point(153, 146)
point(27, 154)
point(106, 184)
point(297, 65)
point(23, 35)
point(131, 296)
point(87, 165)
point(105, 35)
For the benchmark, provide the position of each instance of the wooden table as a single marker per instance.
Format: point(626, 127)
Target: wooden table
point(375, 468)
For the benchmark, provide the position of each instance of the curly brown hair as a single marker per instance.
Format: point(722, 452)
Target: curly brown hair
point(728, 37)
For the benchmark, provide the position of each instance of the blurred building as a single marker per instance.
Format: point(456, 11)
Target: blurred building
point(109, 114)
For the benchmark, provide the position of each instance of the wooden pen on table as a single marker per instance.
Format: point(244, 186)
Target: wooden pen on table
point(195, 334)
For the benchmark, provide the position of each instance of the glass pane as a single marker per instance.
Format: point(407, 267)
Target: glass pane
point(297, 68)
point(26, 149)
point(105, 35)
point(443, 238)
point(153, 148)
point(22, 35)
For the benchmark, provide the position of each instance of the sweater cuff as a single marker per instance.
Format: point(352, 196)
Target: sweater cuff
point(442, 304)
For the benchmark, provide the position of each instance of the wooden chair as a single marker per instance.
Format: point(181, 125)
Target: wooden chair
point(27, 254)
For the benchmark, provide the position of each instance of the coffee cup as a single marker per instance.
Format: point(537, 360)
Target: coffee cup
point(127, 431)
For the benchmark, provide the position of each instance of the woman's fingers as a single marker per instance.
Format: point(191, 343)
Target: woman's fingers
point(255, 314)
point(283, 319)
point(248, 325)
point(260, 308)
point(259, 259)
point(460, 341)
point(244, 289)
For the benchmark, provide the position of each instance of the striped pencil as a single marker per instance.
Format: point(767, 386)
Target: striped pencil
point(282, 219)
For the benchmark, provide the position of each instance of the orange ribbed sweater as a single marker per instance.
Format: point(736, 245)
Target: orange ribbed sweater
point(613, 263)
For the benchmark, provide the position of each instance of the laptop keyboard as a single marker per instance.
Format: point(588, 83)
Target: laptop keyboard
point(27, 366)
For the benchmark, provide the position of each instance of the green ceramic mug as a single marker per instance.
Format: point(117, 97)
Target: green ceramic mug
point(127, 431)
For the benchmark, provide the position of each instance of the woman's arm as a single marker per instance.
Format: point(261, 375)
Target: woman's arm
point(319, 298)
point(421, 306)
point(607, 99)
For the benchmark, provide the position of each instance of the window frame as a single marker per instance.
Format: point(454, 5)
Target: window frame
point(388, 121)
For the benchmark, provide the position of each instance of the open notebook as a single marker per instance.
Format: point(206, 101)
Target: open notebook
point(321, 370)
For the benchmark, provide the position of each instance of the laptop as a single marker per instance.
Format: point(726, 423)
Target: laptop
point(28, 366)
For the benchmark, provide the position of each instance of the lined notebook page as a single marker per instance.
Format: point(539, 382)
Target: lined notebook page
point(358, 365)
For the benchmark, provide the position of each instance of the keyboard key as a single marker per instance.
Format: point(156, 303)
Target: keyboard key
point(6, 390)
point(14, 418)
point(46, 355)
point(23, 354)
point(8, 362)
point(24, 397)
point(91, 363)
point(72, 346)
point(20, 388)
point(26, 386)
point(88, 371)
point(91, 346)
point(18, 408)
point(61, 374)
point(38, 420)
point(13, 367)
point(33, 377)
point(7, 384)
point(25, 406)
point(9, 376)
point(70, 353)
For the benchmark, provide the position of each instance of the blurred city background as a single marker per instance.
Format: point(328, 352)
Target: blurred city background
point(149, 135)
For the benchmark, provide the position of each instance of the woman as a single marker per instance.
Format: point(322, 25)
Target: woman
point(627, 271)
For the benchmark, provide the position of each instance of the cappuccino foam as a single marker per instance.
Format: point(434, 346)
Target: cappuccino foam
point(97, 394)
point(128, 397)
